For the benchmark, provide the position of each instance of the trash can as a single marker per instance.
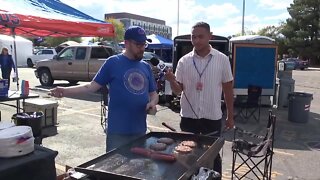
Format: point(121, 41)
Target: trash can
point(299, 106)
point(32, 119)
point(286, 86)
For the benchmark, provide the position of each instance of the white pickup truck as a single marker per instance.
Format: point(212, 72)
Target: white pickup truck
point(40, 55)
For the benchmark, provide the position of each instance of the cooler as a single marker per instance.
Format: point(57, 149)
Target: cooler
point(49, 109)
point(16, 141)
point(4, 88)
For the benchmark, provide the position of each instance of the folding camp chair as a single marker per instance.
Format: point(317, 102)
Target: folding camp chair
point(251, 106)
point(252, 155)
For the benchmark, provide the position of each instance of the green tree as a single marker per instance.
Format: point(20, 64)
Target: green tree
point(274, 32)
point(246, 32)
point(55, 41)
point(303, 28)
point(270, 31)
point(119, 31)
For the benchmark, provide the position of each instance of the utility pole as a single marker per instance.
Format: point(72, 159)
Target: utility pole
point(243, 9)
point(178, 17)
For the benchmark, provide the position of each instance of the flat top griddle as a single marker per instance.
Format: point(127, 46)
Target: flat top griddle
point(121, 163)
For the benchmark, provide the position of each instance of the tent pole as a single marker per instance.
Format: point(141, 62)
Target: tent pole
point(116, 44)
point(15, 56)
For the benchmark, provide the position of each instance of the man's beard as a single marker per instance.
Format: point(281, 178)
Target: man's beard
point(138, 57)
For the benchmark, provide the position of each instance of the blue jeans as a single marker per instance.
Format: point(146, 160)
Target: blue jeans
point(117, 140)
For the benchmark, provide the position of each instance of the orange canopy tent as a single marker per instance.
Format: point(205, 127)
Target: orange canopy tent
point(42, 18)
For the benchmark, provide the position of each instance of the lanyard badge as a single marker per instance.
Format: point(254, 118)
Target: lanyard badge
point(199, 85)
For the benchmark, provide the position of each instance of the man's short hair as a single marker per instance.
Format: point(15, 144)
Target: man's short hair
point(202, 25)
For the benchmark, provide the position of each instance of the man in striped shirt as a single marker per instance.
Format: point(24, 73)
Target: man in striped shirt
point(200, 78)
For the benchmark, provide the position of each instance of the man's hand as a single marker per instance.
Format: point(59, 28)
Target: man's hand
point(57, 92)
point(169, 75)
point(229, 123)
point(151, 108)
point(176, 87)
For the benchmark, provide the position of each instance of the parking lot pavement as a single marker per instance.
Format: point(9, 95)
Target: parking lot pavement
point(80, 136)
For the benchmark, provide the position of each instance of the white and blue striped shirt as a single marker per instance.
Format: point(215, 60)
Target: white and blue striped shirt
point(206, 103)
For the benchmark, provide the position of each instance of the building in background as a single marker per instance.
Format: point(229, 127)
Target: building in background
point(150, 25)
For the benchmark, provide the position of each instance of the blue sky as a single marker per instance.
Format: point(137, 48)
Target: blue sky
point(224, 16)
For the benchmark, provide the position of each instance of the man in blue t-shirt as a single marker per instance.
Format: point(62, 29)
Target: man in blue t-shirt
point(132, 90)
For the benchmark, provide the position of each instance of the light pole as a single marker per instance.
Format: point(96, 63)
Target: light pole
point(243, 9)
point(178, 17)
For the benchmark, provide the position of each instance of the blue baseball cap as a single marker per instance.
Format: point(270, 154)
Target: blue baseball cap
point(137, 34)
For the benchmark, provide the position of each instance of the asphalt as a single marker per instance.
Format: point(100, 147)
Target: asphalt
point(79, 137)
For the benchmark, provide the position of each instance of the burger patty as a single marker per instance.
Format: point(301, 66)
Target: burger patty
point(158, 146)
point(191, 144)
point(165, 140)
point(183, 149)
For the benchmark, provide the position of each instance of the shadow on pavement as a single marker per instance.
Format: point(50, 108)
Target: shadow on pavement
point(292, 135)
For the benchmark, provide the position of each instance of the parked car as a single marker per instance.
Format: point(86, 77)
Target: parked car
point(73, 64)
point(40, 55)
point(299, 64)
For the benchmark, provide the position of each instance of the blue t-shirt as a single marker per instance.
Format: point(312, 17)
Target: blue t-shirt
point(130, 83)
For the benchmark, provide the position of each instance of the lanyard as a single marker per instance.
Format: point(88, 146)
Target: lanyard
point(194, 63)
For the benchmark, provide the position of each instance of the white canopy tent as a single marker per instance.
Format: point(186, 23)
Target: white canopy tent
point(24, 48)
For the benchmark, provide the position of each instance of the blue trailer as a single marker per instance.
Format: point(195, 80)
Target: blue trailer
point(254, 62)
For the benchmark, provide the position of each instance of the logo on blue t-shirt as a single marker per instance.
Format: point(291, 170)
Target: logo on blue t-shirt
point(135, 81)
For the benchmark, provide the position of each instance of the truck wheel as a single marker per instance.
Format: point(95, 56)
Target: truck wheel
point(73, 82)
point(45, 78)
point(30, 63)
